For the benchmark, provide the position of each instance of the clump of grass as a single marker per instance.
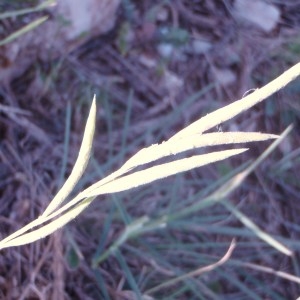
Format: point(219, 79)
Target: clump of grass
point(57, 215)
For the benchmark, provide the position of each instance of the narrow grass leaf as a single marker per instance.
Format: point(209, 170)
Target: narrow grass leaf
point(101, 284)
point(128, 275)
point(104, 234)
point(155, 152)
point(161, 171)
point(131, 230)
point(126, 123)
point(49, 228)
point(80, 164)
point(258, 232)
point(113, 184)
point(286, 162)
point(172, 147)
point(226, 113)
point(231, 184)
point(249, 292)
point(236, 181)
point(23, 30)
point(66, 144)
point(15, 13)
point(76, 173)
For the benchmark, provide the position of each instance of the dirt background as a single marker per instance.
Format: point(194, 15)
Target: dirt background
point(164, 64)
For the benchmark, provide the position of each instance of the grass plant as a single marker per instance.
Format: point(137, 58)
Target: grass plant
point(189, 138)
point(192, 216)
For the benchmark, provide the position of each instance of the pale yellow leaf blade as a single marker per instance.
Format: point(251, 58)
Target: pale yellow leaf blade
point(80, 164)
point(226, 113)
point(194, 141)
point(161, 171)
point(47, 229)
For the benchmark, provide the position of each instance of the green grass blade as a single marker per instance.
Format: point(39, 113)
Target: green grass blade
point(248, 292)
point(15, 13)
point(258, 232)
point(236, 181)
point(66, 144)
point(101, 284)
point(131, 230)
point(126, 123)
point(23, 30)
point(231, 184)
point(104, 234)
point(128, 275)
